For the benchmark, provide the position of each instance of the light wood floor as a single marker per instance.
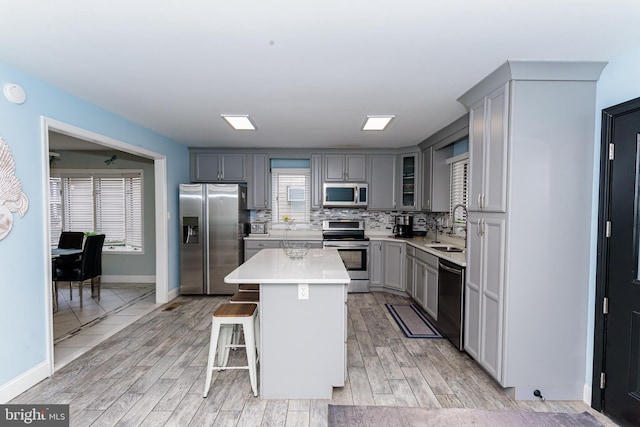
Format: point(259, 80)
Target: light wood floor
point(152, 373)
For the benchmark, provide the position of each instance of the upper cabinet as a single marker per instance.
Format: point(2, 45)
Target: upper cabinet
point(345, 167)
point(488, 152)
point(408, 199)
point(435, 180)
point(258, 187)
point(382, 183)
point(210, 167)
point(435, 172)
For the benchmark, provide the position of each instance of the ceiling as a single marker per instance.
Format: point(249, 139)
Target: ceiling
point(308, 72)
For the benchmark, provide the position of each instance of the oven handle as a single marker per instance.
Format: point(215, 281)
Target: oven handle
point(344, 245)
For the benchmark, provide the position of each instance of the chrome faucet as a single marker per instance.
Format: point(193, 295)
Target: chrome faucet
point(453, 215)
point(435, 228)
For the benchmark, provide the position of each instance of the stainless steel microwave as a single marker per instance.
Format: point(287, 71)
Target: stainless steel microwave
point(345, 194)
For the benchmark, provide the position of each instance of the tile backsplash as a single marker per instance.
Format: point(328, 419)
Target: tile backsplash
point(374, 220)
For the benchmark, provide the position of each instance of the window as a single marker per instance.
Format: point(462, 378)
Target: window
point(459, 170)
point(103, 202)
point(290, 194)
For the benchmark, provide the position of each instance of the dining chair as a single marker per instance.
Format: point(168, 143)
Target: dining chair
point(69, 240)
point(89, 267)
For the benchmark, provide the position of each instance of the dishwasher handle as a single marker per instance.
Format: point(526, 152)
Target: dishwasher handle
point(450, 269)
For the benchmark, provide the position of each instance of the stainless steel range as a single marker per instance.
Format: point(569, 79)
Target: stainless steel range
point(347, 236)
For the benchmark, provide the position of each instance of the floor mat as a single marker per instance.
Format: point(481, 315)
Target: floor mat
point(412, 322)
point(370, 416)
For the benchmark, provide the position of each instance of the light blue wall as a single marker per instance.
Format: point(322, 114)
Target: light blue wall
point(23, 313)
point(618, 83)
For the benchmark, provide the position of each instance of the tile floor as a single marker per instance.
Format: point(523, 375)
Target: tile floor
point(77, 329)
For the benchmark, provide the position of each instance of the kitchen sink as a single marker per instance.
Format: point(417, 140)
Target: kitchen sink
point(446, 248)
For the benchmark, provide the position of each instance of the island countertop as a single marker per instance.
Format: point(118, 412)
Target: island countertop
point(274, 266)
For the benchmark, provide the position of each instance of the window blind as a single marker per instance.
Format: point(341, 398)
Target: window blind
point(459, 189)
point(103, 202)
point(283, 182)
point(55, 209)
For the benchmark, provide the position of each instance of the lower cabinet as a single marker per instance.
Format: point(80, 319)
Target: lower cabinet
point(484, 291)
point(426, 282)
point(253, 246)
point(431, 304)
point(394, 265)
point(420, 282)
point(410, 266)
point(375, 263)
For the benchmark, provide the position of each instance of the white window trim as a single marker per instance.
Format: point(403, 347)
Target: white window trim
point(277, 223)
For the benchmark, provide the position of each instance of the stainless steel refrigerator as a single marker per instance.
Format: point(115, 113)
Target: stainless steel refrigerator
point(213, 222)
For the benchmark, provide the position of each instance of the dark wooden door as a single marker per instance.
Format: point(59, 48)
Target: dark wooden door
point(618, 268)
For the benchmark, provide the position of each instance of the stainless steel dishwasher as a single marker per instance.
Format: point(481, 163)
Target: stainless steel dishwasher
point(451, 301)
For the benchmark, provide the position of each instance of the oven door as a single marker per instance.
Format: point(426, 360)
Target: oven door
point(355, 257)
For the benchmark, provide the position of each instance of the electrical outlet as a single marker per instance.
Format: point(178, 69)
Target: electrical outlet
point(303, 291)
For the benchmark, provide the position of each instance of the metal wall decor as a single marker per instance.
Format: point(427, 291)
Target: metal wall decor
point(12, 199)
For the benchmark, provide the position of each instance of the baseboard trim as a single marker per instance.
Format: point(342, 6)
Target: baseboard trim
point(128, 279)
point(586, 394)
point(173, 293)
point(24, 382)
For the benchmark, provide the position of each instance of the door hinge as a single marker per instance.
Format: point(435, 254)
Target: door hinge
point(605, 305)
point(603, 380)
point(611, 151)
point(608, 229)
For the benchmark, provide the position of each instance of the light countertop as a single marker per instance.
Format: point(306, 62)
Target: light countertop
point(278, 234)
point(421, 242)
point(425, 243)
point(274, 266)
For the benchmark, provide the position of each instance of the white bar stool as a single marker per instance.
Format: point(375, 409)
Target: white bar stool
point(245, 297)
point(223, 319)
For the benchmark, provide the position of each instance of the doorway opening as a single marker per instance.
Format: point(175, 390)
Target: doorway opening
point(97, 141)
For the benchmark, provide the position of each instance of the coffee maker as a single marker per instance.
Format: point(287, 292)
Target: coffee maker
point(403, 226)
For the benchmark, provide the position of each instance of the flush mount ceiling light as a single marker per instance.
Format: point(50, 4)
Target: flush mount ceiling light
point(239, 121)
point(379, 122)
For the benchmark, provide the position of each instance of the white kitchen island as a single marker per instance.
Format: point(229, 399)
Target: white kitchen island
point(303, 341)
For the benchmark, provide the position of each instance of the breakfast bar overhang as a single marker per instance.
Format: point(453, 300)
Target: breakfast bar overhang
point(303, 321)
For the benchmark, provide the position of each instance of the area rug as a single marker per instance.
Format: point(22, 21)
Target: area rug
point(387, 416)
point(412, 322)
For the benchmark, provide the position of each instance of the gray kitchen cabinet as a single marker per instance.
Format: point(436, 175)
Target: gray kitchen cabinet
point(376, 265)
point(488, 152)
point(431, 303)
point(345, 167)
point(217, 167)
point(381, 173)
point(426, 282)
point(528, 122)
point(435, 191)
point(409, 183)
point(258, 188)
point(484, 290)
point(410, 266)
point(316, 181)
point(420, 282)
point(394, 265)
point(253, 246)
